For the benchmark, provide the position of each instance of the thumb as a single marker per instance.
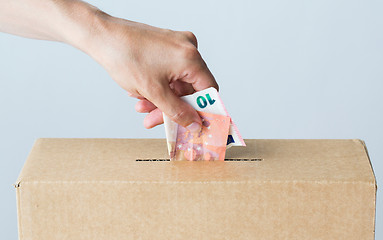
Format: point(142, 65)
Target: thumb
point(175, 108)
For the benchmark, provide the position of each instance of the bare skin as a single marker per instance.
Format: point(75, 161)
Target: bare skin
point(152, 64)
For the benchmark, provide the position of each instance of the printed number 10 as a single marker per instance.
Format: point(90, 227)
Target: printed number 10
point(202, 102)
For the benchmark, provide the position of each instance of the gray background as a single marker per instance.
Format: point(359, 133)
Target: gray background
point(287, 69)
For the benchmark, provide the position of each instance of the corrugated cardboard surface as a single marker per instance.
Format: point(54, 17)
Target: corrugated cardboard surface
point(95, 189)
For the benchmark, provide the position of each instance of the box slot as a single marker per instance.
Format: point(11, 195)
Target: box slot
point(244, 160)
point(153, 160)
point(226, 160)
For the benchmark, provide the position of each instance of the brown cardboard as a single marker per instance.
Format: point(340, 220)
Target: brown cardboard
point(287, 189)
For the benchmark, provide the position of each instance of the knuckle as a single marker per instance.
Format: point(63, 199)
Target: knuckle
point(191, 37)
point(189, 51)
point(132, 92)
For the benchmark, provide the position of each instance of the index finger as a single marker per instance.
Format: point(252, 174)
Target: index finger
point(202, 78)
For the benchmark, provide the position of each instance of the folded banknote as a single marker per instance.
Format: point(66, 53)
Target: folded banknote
point(218, 131)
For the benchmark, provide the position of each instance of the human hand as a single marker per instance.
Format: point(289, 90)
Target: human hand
point(152, 64)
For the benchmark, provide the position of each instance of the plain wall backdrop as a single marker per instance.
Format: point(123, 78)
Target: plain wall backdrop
point(286, 69)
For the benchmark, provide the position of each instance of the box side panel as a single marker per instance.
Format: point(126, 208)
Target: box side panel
point(372, 171)
point(190, 210)
point(363, 143)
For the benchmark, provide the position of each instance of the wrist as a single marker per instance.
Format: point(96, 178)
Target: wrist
point(105, 38)
point(84, 23)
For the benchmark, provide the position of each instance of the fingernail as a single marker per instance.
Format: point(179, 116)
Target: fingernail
point(194, 127)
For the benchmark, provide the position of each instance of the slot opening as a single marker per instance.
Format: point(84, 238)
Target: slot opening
point(243, 159)
point(154, 160)
point(226, 160)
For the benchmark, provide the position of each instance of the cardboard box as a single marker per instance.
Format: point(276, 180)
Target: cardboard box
point(126, 189)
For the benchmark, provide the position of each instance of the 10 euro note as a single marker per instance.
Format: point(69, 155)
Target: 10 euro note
point(218, 131)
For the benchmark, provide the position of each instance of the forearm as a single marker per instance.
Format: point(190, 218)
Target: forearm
point(67, 21)
point(153, 64)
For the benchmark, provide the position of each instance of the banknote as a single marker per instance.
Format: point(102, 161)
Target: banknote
point(209, 101)
point(218, 131)
point(207, 144)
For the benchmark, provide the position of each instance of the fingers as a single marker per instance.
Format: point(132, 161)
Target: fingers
point(203, 79)
point(179, 111)
point(198, 74)
point(153, 119)
point(135, 96)
point(180, 89)
point(144, 106)
point(154, 116)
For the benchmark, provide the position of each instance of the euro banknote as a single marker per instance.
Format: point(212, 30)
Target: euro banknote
point(218, 130)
